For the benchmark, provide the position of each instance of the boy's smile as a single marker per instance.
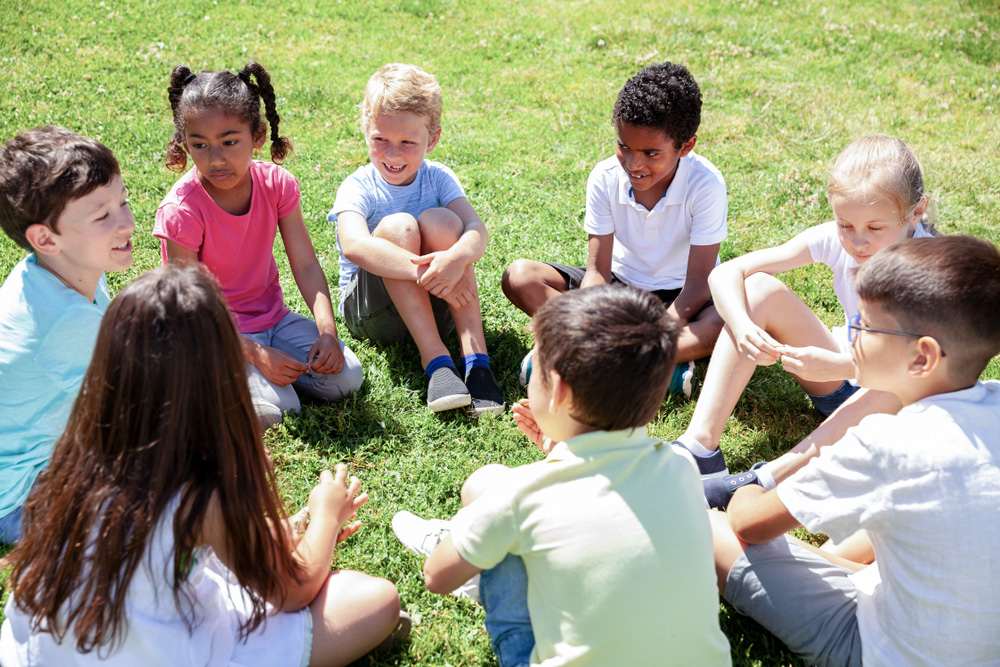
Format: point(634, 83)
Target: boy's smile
point(221, 147)
point(93, 234)
point(650, 159)
point(397, 146)
point(866, 228)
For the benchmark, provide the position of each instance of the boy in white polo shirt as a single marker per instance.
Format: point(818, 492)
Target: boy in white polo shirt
point(656, 215)
point(590, 556)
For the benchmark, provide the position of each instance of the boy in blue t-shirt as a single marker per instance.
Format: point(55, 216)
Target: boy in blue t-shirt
point(62, 199)
point(408, 238)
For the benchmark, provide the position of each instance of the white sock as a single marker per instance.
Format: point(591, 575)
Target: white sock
point(695, 447)
point(765, 477)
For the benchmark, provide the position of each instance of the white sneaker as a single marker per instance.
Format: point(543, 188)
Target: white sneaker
point(421, 536)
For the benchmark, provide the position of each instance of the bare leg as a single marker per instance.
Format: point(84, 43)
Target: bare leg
point(530, 284)
point(777, 310)
point(411, 300)
point(697, 338)
point(857, 548)
point(352, 613)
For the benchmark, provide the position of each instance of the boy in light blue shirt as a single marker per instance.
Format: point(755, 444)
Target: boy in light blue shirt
point(62, 199)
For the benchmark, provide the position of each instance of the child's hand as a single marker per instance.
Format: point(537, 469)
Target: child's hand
point(280, 368)
point(438, 272)
point(816, 364)
point(527, 425)
point(464, 291)
point(757, 345)
point(337, 501)
point(325, 355)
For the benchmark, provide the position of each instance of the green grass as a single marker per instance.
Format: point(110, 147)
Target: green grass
point(528, 86)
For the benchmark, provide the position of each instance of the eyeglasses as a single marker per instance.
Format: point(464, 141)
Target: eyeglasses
point(854, 326)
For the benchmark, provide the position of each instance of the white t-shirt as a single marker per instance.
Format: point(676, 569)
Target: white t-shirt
point(616, 543)
point(651, 247)
point(825, 247)
point(925, 484)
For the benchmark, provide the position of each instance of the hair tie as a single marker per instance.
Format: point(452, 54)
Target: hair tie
point(244, 76)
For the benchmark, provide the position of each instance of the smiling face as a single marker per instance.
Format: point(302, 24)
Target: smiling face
point(866, 228)
point(92, 235)
point(650, 159)
point(221, 147)
point(397, 146)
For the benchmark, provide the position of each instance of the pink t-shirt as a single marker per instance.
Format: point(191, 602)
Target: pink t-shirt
point(237, 249)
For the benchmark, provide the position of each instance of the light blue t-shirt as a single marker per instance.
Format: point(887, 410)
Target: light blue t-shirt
point(367, 193)
point(47, 336)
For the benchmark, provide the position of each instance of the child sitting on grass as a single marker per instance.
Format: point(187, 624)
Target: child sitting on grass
point(408, 239)
point(63, 200)
point(876, 190)
point(594, 554)
point(656, 215)
point(157, 537)
point(924, 483)
point(225, 213)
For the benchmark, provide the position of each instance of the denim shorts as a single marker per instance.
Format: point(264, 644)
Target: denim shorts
point(800, 597)
point(11, 529)
point(371, 315)
point(827, 403)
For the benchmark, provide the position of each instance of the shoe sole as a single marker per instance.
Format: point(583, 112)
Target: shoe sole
point(450, 402)
point(495, 410)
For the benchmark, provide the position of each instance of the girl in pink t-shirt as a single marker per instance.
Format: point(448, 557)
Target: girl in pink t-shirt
point(225, 213)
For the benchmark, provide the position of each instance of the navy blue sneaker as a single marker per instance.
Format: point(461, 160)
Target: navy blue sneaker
point(708, 466)
point(719, 490)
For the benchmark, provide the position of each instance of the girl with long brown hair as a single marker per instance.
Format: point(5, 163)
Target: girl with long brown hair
point(157, 536)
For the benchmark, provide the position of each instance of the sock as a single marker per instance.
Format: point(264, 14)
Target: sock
point(765, 477)
point(695, 447)
point(470, 361)
point(439, 362)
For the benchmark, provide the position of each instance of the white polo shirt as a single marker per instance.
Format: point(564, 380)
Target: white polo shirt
point(651, 247)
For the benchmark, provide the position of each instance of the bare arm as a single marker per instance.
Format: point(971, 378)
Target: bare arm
point(325, 356)
point(179, 255)
point(757, 516)
point(599, 251)
point(445, 569)
point(379, 257)
point(695, 293)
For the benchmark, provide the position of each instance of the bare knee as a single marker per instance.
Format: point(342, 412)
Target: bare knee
point(726, 546)
point(763, 292)
point(529, 284)
point(400, 229)
point(439, 229)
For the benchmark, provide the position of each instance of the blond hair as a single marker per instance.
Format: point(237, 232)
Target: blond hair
point(399, 88)
point(878, 168)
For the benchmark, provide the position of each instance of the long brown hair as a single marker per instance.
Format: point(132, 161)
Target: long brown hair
point(164, 410)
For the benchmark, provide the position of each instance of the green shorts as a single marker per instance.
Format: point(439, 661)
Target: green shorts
point(370, 313)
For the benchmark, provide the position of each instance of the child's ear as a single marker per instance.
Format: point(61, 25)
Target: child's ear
point(928, 359)
point(434, 139)
point(43, 239)
point(688, 146)
point(919, 211)
point(259, 136)
point(562, 395)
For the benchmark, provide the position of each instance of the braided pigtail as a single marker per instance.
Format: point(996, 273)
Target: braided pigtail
point(280, 146)
point(176, 155)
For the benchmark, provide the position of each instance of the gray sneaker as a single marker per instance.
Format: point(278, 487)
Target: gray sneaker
point(446, 391)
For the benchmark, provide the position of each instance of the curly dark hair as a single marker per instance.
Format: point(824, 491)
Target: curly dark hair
point(233, 93)
point(664, 96)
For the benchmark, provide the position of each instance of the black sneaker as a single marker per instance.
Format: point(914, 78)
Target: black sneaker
point(486, 396)
point(446, 391)
point(719, 490)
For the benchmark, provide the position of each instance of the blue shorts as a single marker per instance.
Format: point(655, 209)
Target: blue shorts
point(827, 403)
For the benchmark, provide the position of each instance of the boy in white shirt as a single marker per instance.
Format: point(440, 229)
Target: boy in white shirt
point(924, 484)
point(656, 215)
point(591, 555)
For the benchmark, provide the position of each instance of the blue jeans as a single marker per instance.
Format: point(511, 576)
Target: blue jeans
point(10, 527)
point(294, 335)
point(503, 590)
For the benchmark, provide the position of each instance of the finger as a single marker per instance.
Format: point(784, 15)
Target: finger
point(338, 475)
point(422, 260)
point(360, 500)
point(354, 486)
point(348, 530)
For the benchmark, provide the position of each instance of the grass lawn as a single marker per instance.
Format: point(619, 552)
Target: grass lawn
point(528, 89)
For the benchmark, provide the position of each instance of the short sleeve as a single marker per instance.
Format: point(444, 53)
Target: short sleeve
point(447, 185)
point(353, 195)
point(287, 189)
point(709, 209)
point(822, 241)
point(177, 223)
point(842, 490)
point(65, 352)
point(600, 188)
point(487, 530)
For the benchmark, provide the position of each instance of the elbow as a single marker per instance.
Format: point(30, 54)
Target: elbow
point(434, 583)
